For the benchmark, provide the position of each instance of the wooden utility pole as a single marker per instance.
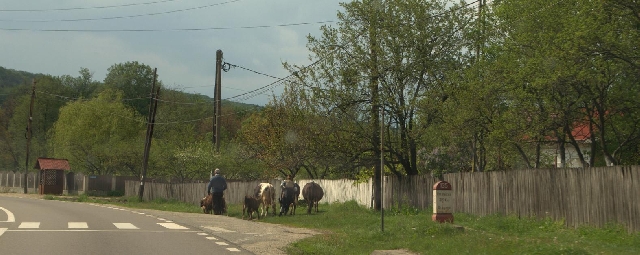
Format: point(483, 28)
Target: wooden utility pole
point(217, 98)
point(28, 134)
point(153, 105)
point(475, 166)
point(382, 169)
point(375, 99)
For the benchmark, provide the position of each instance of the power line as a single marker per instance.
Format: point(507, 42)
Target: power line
point(126, 17)
point(68, 98)
point(84, 8)
point(165, 30)
point(247, 69)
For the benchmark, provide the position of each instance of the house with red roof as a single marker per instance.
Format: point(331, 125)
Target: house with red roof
point(583, 138)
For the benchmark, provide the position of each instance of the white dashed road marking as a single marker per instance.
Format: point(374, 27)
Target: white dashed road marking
point(217, 229)
point(172, 226)
point(77, 225)
point(29, 225)
point(221, 243)
point(211, 238)
point(125, 226)
point(232, 249)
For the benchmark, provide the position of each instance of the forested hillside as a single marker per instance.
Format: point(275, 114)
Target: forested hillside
point(100, 126)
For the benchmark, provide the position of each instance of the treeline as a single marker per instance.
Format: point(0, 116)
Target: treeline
point(100, 126)
point(444, 87)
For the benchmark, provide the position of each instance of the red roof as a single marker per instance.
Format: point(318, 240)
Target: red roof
point(581, 132)
point(52, 164)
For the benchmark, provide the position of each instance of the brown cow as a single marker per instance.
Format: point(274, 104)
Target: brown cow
point(250, 205)
point(312, 193)
point(266, 195)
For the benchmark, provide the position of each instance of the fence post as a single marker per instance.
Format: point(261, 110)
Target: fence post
point(85, 183)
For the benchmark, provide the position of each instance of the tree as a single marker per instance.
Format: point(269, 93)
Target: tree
point(134, 80)
point(401, 58)
point(82, 86)
point(100, 136)
point(560, 75)
point(50, 96)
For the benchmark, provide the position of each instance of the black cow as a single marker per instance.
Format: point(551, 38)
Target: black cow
point(294, 203)
point(286, 199)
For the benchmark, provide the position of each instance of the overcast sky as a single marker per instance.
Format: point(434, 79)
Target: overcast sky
point(180, 38)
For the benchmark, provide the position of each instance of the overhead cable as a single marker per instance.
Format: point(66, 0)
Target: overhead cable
point(126, 17)
point(84, 8)
point(164, 30)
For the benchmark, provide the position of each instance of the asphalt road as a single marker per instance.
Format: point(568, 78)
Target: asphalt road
point(31, 225)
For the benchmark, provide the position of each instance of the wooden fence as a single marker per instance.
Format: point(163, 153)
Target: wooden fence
point(594, 196)
point(74, 183)
point(335, 190)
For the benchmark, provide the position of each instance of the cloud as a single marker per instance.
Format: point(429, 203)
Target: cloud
point(185, 59)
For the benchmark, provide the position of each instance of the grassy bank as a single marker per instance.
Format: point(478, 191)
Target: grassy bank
point(352, 229)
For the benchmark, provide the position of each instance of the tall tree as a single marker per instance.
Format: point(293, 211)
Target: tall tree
point(386, 57)
point(561, 77)
point(407, 50)
point(100, 136)
point(134, 80)
point(51, 95)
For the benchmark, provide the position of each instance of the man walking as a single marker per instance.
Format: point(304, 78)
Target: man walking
point(217, 185)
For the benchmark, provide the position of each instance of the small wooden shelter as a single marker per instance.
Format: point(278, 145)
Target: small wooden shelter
point(52, 175)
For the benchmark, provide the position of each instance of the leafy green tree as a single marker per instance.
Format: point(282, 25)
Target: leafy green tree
point(49, 98)
point(82, 86)
point(8, 153)
point(399, 62)
point(100, 136)
point(559, 77)
point(134, 80)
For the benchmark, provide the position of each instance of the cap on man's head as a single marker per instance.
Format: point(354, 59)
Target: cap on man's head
point(217, 171)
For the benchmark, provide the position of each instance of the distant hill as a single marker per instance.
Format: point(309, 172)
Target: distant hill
point(11, 78)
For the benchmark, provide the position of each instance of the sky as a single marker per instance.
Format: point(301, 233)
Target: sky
point(178, 37)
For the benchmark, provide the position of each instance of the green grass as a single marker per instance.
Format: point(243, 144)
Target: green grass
point(352, 229)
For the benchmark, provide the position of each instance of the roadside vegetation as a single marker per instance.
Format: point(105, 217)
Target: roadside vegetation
point(349, 228)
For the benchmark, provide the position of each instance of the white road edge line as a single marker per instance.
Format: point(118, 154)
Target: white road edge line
point(10, 217)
